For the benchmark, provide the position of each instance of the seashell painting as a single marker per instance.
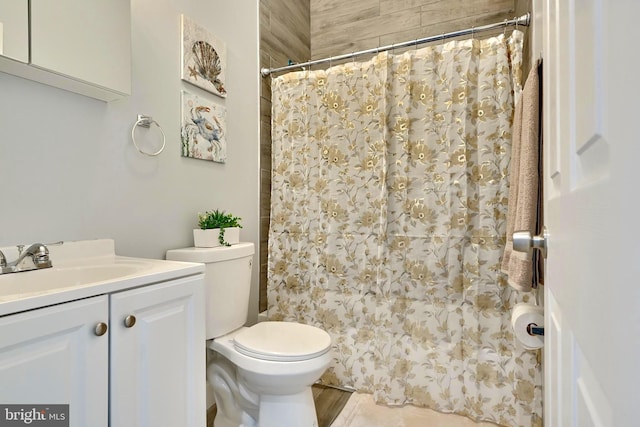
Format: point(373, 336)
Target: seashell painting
point(204, 58)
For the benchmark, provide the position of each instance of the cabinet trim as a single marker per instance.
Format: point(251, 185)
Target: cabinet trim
point(48, 77)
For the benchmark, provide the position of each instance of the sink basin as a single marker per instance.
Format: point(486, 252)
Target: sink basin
point(93, 273)
point(66, 277)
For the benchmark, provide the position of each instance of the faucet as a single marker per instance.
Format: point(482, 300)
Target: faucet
point(38, 253)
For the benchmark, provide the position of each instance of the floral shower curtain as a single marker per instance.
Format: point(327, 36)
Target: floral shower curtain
point(388, 212)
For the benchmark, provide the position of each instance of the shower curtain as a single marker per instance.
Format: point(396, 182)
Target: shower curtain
point(388, 211)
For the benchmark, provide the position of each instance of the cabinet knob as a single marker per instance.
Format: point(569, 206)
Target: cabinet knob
point(130, 320)
point(101, 329)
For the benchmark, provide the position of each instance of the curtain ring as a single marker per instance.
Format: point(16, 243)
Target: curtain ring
point(146, 121)
point(473, 28)
point(504, 31)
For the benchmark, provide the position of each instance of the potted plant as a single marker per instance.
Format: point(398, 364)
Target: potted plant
point(217, 228)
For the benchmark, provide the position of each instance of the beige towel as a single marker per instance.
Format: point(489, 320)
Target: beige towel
point(524, 188)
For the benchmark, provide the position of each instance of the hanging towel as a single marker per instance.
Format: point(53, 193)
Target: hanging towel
point(524, 211)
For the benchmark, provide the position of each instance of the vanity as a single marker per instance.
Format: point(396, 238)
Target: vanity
point(120, 340)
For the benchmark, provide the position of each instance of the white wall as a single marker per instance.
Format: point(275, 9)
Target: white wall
point(68, 168)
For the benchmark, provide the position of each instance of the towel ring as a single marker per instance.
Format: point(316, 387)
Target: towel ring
point(145, 122)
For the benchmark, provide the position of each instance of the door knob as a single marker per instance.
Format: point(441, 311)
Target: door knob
point(524, 242)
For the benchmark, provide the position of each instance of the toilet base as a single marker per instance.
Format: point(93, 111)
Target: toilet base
point(275, 411)
point(294, 410)
point(238, 406)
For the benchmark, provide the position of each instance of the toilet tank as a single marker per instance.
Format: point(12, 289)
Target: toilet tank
point(227, 283)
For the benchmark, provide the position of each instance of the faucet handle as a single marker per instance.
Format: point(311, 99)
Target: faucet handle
point(20, 249)
point(3, 260)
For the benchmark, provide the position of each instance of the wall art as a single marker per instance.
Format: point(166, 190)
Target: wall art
point(204, 58)
point(203, 129)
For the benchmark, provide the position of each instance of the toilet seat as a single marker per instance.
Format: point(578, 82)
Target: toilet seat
point(282, 341)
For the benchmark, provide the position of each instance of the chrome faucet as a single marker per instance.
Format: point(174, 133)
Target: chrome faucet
point(37, 253)
point(39, 256)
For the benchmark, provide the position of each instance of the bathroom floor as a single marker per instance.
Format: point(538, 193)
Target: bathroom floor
point(362, 412)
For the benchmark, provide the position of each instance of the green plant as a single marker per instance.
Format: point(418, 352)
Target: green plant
point(218, 219)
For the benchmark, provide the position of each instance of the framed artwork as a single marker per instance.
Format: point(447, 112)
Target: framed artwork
point(204, 58)
point(203, 129)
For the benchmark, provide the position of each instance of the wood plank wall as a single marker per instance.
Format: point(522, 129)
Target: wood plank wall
point(339, 27)
point(284, 35)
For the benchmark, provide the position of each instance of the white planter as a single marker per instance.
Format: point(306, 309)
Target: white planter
point(209, 238)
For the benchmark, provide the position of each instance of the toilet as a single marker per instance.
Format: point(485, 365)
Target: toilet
point(261, 375)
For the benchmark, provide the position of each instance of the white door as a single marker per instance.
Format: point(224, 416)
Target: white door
point(158, 362)
point(53, 356)
point(592, 155)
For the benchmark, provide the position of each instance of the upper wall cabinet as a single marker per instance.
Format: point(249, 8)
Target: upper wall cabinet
point(14, 29)
point(77, 45)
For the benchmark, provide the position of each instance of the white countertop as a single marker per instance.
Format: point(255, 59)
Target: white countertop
point(83, 269)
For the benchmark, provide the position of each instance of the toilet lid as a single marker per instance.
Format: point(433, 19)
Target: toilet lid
point(282, 341)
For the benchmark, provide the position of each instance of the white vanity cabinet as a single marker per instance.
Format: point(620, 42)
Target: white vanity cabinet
point(146, 369)
point(78, 45)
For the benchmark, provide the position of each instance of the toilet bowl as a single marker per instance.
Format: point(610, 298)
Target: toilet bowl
point(261, 375)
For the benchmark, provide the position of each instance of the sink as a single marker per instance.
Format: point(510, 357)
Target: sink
point(54, 278)
point(83, 269)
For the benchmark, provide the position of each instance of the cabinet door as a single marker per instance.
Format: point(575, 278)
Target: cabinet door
point(86, 40)
point(14, 29)
point(53, 356)
point(158, 363)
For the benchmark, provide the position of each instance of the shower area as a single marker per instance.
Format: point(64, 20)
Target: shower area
point(384, 190)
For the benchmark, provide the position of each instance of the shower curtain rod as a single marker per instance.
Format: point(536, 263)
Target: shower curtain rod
point(522, 20)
